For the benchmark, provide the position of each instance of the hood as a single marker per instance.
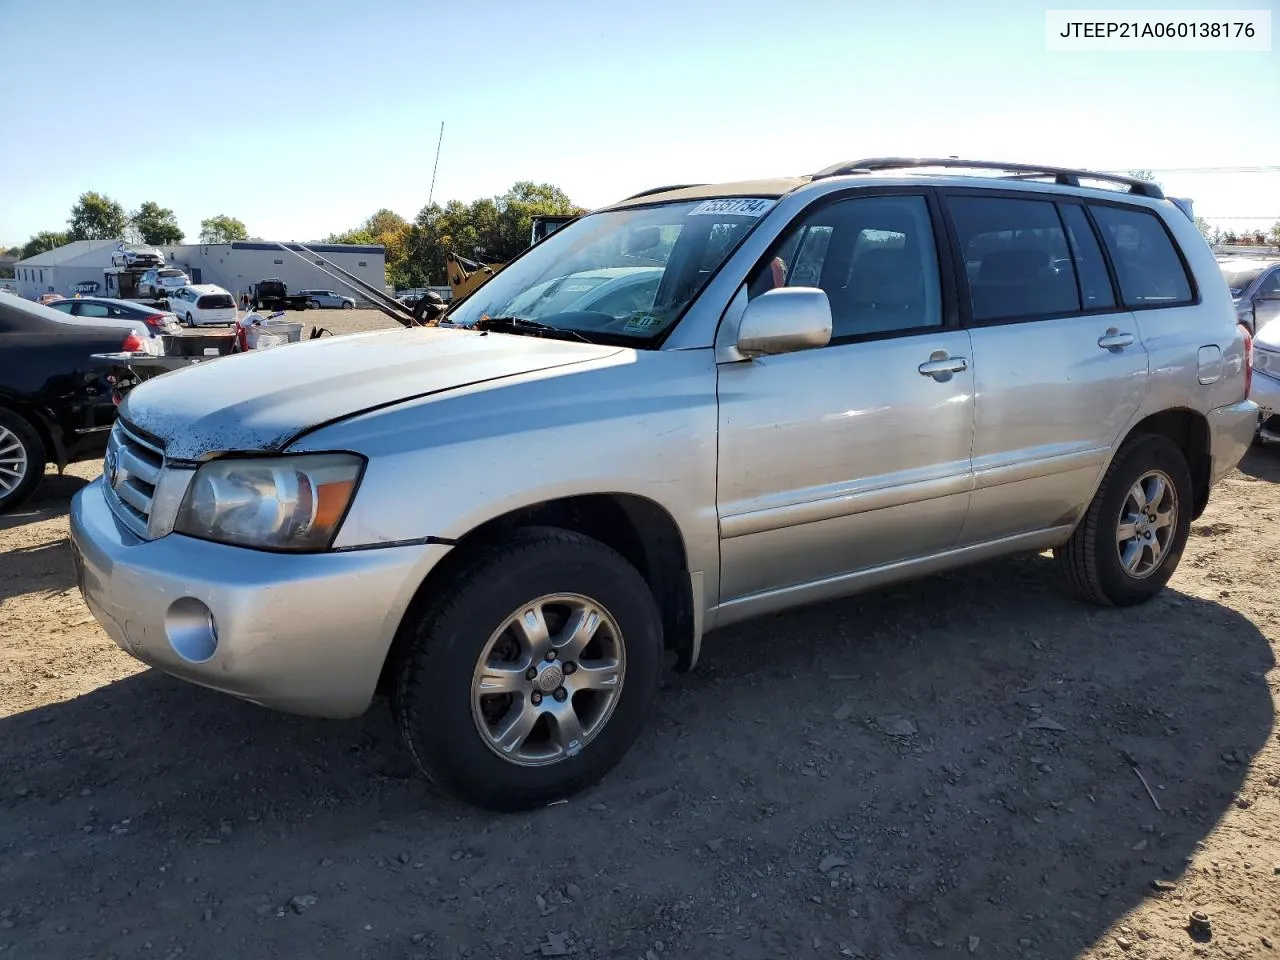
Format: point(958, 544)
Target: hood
point(262, 399)
point(1268, 335)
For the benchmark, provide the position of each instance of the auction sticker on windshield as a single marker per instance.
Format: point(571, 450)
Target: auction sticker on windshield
point(734, 206)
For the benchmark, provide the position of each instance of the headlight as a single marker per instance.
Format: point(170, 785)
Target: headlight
point(272, 503)
point(1266, 360)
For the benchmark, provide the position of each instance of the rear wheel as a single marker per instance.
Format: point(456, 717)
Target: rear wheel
point(530, 673)
point(22, 458)
point(1132, 536)
point(190, 322)
point(314, 305)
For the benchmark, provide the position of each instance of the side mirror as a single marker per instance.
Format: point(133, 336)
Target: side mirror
point(784, 320)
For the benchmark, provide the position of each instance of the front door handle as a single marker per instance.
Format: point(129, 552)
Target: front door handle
point(941, 367)
point(1113, 339)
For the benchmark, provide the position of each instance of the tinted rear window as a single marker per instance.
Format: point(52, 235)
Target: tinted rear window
point(1147, 264)
point(215, 301)
point(170, 273)
point(1016, 257)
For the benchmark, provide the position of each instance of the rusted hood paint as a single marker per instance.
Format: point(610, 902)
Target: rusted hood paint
point(261, 400)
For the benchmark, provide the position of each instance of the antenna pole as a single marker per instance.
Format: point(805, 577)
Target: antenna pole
point(432, 192)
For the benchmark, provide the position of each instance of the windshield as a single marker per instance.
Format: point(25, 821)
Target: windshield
point(1238, 279)
point(620, 275)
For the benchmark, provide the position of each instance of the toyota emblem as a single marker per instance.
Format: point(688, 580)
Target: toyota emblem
point(111, 468)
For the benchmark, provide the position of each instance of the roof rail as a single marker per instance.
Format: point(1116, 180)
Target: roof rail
point(652, 191)
point(1023, 171)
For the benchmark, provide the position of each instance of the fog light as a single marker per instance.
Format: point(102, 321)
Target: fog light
point(189, 625)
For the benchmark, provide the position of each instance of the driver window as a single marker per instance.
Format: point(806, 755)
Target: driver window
point(875, 258)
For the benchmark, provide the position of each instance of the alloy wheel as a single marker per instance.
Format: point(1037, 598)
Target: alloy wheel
point(548, 679)
point(13, 462)
point(1148, 520)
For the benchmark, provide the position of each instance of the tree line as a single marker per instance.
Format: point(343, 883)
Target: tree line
point(492, 229)
point(96, 216)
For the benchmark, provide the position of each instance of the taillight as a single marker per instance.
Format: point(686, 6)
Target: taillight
point(155, 320)
point(133, 343)
point(1248, 359)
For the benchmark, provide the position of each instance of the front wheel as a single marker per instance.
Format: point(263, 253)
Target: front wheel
point(21, 460)
point(1132, 536)
point(531, 672)
point(348, 305)
point(313, 305)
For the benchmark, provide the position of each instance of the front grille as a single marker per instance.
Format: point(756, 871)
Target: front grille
point(131, 471)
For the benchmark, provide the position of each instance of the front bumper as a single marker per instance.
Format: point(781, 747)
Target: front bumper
point(302, 633)
point(1265, 392)
point(1231, 432)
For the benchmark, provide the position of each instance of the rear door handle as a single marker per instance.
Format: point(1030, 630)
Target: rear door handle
point(1113, 339)
point(941, 368)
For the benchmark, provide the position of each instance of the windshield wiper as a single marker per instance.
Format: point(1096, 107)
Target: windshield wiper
point(520, 325)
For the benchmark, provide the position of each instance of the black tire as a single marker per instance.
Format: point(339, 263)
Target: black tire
point(190, 323)
point(348, 306)
point(440, 646)
point(32, 447)
point(1090, 560)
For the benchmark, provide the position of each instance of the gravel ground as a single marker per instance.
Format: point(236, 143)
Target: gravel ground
point(934, 770)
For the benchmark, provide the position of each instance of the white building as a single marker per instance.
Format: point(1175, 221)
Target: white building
point(53, 270)
point(233, 266)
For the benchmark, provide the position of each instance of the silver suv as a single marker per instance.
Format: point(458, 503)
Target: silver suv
point(506, 522)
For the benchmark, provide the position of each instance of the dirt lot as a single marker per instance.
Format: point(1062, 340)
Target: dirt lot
point(935, 770)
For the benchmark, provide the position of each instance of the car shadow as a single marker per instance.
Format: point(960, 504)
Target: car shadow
point(1262, 462)
point(946, 760)
point(52, 498)
point(45, 568)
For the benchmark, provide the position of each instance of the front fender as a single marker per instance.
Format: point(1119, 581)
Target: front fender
point(441, 466)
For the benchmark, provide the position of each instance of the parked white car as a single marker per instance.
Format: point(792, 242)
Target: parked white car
point(162, 281)
point(135, 255)
point(200, 304)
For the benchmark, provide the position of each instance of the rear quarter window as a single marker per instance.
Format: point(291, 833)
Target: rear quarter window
point(1148, 266)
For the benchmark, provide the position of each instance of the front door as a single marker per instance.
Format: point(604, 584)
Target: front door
point(855, 455)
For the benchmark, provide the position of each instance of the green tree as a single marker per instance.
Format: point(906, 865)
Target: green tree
point(42, 241)
point(222, 229)
point(155, 224)
point(1207, 230)
point(387, 229)
point(96, 217)
point(519, 205)
point(1275, 232)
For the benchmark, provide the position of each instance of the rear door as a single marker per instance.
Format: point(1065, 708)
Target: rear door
point(1061, 368)
point(838, 460)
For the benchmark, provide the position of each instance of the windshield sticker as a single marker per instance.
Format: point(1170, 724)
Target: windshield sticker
point(643, 321)
point(736, 207)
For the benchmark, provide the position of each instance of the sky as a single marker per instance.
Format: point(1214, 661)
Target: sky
point(301, 119)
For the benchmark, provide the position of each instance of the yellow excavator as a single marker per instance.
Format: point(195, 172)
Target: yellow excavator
point(465, 275)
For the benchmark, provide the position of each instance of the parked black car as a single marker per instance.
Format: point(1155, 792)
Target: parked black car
point(56, 404)
point(158, 322)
